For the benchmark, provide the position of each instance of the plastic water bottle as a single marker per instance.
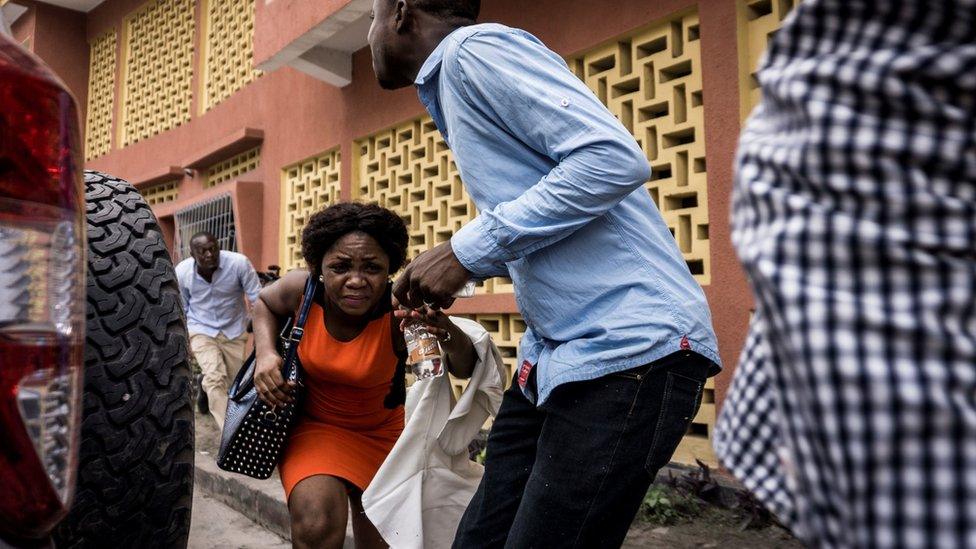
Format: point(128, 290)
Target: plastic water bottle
point(423, 351)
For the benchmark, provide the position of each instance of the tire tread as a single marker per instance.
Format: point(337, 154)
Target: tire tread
point(135, 478)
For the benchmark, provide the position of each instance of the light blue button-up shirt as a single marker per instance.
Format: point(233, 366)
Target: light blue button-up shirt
point(218, 306)
point(559, 184)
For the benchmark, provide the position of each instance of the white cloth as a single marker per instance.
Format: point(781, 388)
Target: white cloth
point(420, 492)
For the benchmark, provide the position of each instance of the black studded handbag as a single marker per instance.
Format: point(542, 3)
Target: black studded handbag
point(255, 432)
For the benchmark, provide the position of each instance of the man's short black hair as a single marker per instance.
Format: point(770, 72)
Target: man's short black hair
point(209, 235)
point(325, 227)
point(467, 10)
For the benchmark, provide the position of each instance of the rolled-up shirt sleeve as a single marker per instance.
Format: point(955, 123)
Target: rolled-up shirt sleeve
point(249, 281)
point(529, 91)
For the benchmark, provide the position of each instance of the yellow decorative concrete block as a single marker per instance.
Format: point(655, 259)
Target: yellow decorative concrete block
point(233, 167)
point(228, 50)
point(758, 22)
point(157, 69)
point(506, 331)
point(162, 193)
point(651, 81)
point(101, 95)
point(409, 169)
point(307, 187)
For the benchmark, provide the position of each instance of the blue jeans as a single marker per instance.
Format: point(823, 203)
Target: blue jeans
point(573, 472)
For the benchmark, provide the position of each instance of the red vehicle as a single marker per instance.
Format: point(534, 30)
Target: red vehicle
point(96, 420)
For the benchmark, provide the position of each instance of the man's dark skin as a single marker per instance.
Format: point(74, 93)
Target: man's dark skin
point(206, 252)
point(401, 38)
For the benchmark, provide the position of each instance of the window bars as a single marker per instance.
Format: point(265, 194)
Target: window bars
point(215, 216)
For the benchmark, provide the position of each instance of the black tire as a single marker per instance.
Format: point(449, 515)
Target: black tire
point(135, 478)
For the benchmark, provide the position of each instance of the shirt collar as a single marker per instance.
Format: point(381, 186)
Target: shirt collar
point(220, 265)
point(433, 63)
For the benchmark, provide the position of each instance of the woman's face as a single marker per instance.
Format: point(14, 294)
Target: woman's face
point(355, 273)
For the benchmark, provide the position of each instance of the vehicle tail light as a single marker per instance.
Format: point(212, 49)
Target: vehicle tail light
point(42, 294)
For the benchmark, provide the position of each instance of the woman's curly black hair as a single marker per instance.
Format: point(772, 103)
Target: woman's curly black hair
point(327, 226)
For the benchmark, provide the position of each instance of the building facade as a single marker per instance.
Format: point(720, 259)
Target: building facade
point(245, 116)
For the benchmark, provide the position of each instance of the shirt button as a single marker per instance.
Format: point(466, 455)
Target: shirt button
point(564, 102)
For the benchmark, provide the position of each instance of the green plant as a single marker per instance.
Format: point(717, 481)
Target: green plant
point(664, 505)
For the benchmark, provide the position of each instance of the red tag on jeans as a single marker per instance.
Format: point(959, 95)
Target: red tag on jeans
point(524, 371)
point(685, 344)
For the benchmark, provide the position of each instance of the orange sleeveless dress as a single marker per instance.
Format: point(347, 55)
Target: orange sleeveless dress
point(345, 431)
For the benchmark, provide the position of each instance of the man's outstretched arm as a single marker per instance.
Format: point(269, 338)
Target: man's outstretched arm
point(530, 93)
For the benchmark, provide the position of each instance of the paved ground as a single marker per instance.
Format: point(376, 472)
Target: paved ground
point(214, 525)
point(259, 517)
point(715, 529)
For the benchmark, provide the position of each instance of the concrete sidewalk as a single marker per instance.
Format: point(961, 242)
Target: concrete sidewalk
point(217, 526)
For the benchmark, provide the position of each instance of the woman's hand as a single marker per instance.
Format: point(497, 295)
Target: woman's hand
point(437, 322)
point(272, 387)
point(461, 356)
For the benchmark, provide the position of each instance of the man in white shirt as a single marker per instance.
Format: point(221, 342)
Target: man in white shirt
point(214, 284)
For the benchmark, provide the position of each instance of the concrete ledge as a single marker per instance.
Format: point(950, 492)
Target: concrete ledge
point(10, 12)
point(317, 37)
point(259, 500)
point(226, 147)
point(162, 175)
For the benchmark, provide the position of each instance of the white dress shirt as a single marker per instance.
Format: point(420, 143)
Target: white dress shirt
point(218, 306)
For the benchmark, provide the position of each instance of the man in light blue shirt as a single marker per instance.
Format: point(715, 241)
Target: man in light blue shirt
point(214, 284)
point(619, 339)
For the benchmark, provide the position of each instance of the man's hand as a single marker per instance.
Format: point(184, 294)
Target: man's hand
point(435, 319)
point(431, 279)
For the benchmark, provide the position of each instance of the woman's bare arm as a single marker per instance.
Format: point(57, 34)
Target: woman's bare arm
point(279, 300)
point(461, 356)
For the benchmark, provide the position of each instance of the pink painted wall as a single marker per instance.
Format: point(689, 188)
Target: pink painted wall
point(57, 34)
point(23, 28)
point(54, 35)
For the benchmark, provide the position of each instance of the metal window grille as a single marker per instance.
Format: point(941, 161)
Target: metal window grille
point(215, 216)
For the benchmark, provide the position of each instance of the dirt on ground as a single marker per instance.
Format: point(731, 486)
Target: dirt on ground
point(715, 527)
point(207, 435)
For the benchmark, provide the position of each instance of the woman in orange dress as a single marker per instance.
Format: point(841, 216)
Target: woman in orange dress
point(353, 357)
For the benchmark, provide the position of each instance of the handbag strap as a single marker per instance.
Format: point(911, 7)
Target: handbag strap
point(298, 329)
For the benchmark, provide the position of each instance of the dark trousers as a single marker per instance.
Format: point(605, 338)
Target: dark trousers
point(573, 472)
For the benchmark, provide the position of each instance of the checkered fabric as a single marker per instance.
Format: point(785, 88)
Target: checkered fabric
point(853, 412)
point(749, 432)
